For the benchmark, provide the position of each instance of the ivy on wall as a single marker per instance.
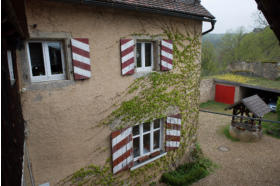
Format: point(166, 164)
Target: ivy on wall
point(155, 95)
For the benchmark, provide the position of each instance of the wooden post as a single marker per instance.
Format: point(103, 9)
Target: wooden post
point(260, 124)
point(241, 112)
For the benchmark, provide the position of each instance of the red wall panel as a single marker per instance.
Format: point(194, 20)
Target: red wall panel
point(224, 94)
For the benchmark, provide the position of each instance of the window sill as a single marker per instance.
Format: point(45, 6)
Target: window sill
point(143, 73)
point(148, 161)
point(48, 85)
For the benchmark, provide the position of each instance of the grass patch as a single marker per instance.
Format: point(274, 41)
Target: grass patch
point(225, 132)
point(215, 107)
point(272, 129)
point(189, 173)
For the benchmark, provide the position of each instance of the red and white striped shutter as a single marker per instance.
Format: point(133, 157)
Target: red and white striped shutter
point(81, 58)
point(166, 55)
point(122, 150)
point(127, 56)
point(173, 132)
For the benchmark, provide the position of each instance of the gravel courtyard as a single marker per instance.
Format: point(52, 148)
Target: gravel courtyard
point(239, 163)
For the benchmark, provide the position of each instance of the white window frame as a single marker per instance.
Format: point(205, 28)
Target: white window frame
point(10, 67)
point(46, 59)
point(141, 138)
point(143, 68)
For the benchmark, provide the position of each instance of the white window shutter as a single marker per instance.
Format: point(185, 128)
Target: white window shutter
point(173, 132)
point(127, 56)
point(122, 150)
point(81, 58)
point(166, 55)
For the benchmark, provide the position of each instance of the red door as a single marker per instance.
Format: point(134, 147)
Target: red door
point(224, 94)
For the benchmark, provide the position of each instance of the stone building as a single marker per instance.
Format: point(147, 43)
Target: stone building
point(109, 84)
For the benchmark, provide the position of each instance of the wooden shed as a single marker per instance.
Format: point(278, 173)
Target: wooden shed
point(252, 107)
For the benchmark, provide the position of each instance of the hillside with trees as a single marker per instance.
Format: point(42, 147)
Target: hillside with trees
point(220, 50)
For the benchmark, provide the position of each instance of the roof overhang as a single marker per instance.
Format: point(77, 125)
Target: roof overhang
point(142, 9)
point(14, 18)
point(270, 9)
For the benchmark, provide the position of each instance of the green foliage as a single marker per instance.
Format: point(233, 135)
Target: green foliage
point(229, 48)
point(272, 129)
point(260, 46)
point(156, 95)
point(240, 46)
point(275, 84)
point(159, 94)
point(189, 173)
point(225, 132)
point(208, 59)
point(215, 106)
point(215, 39)
point(93, 175)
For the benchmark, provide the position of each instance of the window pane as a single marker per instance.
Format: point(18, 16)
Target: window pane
point(138, 54)
point(135, 130)
point(55, 57)
point(148, 55)
point(136, 149)
point(36, 57)
point(156, 123)
point(146, 127)
point(146, 143)
point(156, 139)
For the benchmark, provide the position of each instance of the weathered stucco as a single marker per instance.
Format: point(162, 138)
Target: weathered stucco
point(62, 117)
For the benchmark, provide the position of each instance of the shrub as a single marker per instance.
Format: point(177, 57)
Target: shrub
point(189, 173)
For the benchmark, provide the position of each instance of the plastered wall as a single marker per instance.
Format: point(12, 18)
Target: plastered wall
point(62, 117)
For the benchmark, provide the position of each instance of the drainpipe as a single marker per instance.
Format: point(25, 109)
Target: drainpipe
point(213, 21)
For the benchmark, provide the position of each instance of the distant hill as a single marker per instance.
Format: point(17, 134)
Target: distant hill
point(220, 50)
point(213, 38)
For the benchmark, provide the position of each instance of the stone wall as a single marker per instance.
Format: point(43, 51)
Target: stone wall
point(207, 90)
point(269, 70)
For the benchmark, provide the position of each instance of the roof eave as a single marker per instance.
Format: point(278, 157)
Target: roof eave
point(143, 9)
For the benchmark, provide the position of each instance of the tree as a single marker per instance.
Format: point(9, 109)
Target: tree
point(208, 59)
point(229, 47)
point(259, 20)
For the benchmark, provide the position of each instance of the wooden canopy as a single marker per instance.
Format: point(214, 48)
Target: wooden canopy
point(254, 104)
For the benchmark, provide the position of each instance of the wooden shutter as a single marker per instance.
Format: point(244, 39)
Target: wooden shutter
point(127, 56)
point(122, 150)
point(166, 55)
point(81, 58)
point(173, 132)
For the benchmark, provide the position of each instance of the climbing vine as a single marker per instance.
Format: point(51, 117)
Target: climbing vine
point(156, 95)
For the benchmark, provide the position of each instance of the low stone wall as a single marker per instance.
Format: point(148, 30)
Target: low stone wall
point(269, 70)
point(207, 90)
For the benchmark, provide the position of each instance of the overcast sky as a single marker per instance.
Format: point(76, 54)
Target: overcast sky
point(230, 14)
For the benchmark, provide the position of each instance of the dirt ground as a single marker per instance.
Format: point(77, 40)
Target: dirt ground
point(244, 164)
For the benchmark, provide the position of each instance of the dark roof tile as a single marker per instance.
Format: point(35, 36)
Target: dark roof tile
point(181, 6)
point(256, 105)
